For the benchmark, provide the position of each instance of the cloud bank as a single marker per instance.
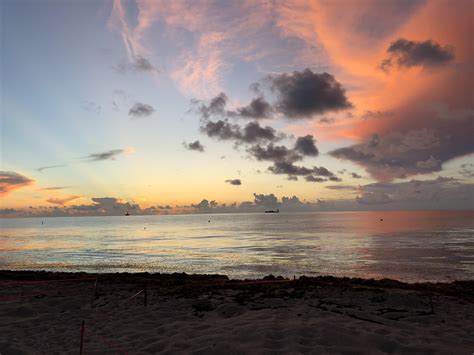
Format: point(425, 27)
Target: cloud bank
point(436, 194)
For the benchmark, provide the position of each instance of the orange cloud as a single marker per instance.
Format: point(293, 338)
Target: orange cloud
point(429, 102)
point(201, 69)
point(10, 181)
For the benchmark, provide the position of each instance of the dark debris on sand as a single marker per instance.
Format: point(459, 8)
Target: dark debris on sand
point(188, 285)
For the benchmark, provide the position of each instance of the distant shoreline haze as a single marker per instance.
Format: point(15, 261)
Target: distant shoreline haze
point(217, 212)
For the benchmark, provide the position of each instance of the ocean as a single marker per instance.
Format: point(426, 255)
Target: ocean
point(407, 246)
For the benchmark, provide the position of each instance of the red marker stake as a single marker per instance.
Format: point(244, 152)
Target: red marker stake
point(145, 296)
point(82, 338)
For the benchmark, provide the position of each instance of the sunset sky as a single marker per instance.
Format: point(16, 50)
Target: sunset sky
point(182, 106)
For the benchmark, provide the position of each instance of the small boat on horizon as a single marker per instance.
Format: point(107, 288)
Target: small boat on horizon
point(273, 211)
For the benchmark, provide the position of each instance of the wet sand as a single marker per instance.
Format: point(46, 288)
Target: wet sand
point(42, 312)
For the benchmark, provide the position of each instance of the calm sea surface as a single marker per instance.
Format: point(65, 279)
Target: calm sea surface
point(409, 246)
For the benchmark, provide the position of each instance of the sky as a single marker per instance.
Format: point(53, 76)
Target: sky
point(154, 107)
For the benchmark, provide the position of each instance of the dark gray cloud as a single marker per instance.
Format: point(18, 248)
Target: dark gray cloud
point(423, 133)
point(152, 210)
point(437, 194)
point(41, 169)
point(109, 206)
point(284, 158)
point(314, 174)
point(234, 182)
point(266, 201)
point(356, 176)
point(216, 107)
point(144, 65)
point(254, 135)
point(321, 174)
point(196, 145)
point(442, 193)
point(411, 151)
point(258, 108)
point(137, 65)
point(141, 110)
point(205, 205)
point(11, 180)
point(298, 95)
point(322, 171)
point(260, 203)
point(406, 53)
point(221, 130)
point(114, 206)
point(91, 106)
point(305, 94)
point(101, 206)
point(374, 198)
point(274, 153)
point(327, 120)
point(108, 155)
point(312, 178)
point(306, 145)
point(290, 169)
point(252, 132)
point(8, 211)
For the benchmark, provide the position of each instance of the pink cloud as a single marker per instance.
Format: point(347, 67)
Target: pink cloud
point(11, 181)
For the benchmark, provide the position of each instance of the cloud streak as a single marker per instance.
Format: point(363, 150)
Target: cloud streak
point(108, 155)
point(62, 200)
point(41, 169)
point(53, 188)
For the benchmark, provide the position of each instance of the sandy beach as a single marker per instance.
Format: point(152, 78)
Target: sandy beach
point(42, 312)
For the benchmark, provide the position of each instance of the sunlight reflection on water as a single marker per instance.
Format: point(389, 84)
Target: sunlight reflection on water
point(410, 246)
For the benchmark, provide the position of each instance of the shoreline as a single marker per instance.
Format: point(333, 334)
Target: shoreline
point(462, 288)
point(42, 312)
